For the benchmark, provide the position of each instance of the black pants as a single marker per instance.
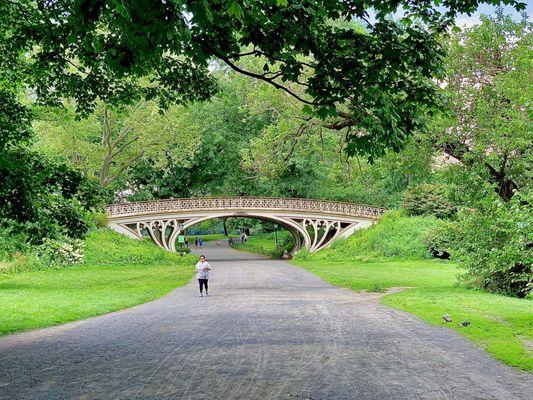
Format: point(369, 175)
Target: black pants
point(202, 283)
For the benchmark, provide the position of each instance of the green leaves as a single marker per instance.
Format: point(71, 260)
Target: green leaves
point(42, 197)
point(493, 243)
point(15, 120)
point(121, 8)
point(120, 51)
point(487, 129)
point(234, 9)
point(427, 199)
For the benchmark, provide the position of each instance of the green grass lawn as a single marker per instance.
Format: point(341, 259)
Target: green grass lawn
point(501, 325)
point(118, 272)
point(262, 243)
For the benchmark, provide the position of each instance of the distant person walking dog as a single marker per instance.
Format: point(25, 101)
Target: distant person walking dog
point(202, 273)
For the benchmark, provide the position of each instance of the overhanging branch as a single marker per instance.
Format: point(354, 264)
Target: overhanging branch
point(263, 78)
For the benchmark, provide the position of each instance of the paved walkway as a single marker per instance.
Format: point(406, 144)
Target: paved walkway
point(268, 331)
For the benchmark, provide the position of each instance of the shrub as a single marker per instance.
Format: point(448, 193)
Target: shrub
point(20, 255)
point(437, 241)
point(64, 251)
point(428, 199)
point(43, 197)
point(21, 262)
point(183, 249)
point(12, 241)
point(494, 243)
point(99, 220)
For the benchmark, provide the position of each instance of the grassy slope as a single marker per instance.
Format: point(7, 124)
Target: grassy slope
point(394, 236)
point(502, 325)
point(118, 273)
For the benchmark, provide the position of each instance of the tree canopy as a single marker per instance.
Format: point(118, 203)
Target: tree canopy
point(377, 79)
point(488, 126)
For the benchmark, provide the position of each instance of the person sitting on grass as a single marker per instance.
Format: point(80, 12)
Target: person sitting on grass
point(202, 273)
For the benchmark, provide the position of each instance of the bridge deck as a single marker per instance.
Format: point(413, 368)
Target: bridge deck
point(245, 203)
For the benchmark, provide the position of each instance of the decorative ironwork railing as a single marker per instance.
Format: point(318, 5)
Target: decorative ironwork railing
point(245, 203)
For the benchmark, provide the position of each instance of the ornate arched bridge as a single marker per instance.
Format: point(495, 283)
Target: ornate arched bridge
point(314, 224)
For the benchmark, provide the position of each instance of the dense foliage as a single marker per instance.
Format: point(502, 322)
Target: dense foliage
point(377, 79)
point(428, 199)
point(488, 126)
point(495, 244)
point(488, 133)
point(42, 197)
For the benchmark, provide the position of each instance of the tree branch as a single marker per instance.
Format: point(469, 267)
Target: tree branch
point(247, 53)
point(283, 61)
point(122, 147)
point(263, 78)
point(340, 124)
point(123, 168)
point(126, 130)
point(456, 150)
point(294, 139)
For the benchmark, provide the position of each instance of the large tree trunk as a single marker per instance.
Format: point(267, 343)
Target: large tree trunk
point(112, 148)
point(225, 226)
point(108, 150)
point(505, 187)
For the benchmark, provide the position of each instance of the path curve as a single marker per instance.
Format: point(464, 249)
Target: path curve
point(268, 331)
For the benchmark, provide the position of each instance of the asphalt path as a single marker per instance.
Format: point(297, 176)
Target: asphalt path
point(268, 330)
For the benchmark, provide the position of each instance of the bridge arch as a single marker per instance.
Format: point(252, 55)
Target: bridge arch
point(296, 231)
point(314, 224)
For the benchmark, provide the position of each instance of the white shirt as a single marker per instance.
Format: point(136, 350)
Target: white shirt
point(202, 270)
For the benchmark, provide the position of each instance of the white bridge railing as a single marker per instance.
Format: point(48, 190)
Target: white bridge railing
point(245, 203)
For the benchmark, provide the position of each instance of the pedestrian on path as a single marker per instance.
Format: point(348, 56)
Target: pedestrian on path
point(202, 273)
point(200, 243)
point(196, 242)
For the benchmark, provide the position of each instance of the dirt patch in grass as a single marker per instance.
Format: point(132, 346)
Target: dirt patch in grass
point(376, 295)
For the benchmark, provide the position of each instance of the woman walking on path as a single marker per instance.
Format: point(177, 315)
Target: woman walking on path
point(202, 273)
